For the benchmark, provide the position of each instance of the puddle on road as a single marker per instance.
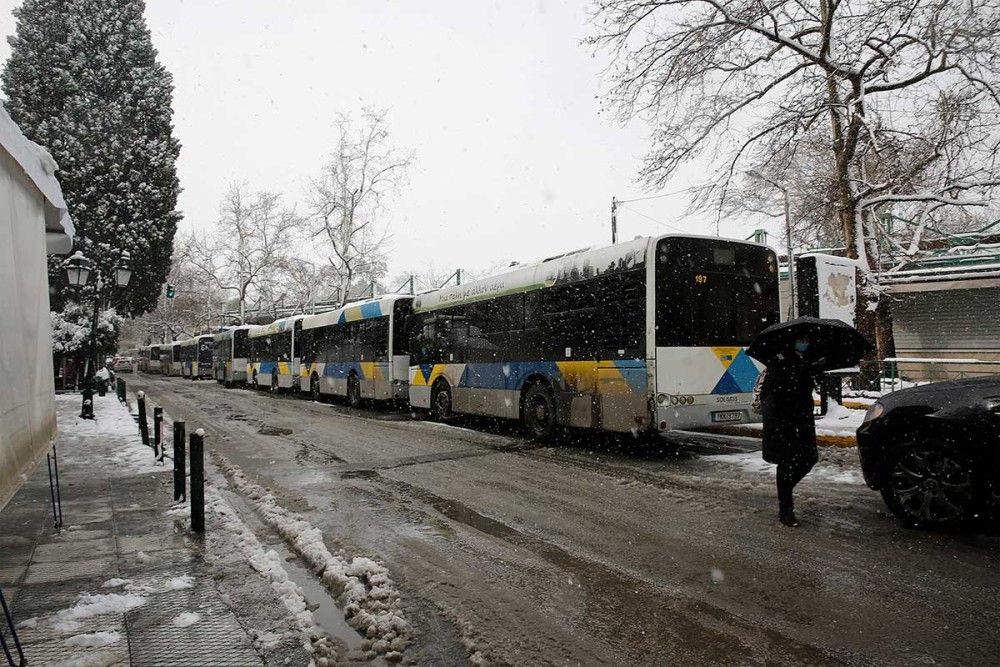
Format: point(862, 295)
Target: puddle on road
point(327, 614)
point(324, 608)
point(274, 430)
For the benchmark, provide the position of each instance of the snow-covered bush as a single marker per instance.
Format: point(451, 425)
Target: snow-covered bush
point(71, 329)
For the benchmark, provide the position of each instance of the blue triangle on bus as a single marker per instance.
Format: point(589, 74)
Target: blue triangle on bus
point(425, 370)
point(727, 385)
point(744, 372)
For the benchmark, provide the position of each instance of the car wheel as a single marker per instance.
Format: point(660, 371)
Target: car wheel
point(317, 395)
point(441, 401)
point(353, 391)
point(931, 484)
point(539, 412)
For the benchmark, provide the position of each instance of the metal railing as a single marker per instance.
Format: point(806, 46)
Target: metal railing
point(932, 369)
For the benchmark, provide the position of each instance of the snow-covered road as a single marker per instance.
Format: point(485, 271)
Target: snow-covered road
point(597, 551)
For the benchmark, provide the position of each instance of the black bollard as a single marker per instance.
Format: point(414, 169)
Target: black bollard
point(157, 443)
point(198, 481)
point(143, 425)
point(87, 408)
point(179, 481)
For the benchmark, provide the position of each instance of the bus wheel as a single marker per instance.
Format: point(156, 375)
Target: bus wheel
point(317, 395)
point(441, 401)
point(353, 391)
point(539, 412)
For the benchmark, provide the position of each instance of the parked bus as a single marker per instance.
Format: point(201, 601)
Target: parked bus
point(171, 353)
point(142, 359)
point(358, 351)
point(153, 362)
point(270, 362)
point(229, 359)
point(187, 352)
point(640, 336)
point(202, 365)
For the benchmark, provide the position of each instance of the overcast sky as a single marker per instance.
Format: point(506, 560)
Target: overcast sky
point(497, 99)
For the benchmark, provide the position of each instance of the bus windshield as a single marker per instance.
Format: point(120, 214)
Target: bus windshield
point(241, 346)
point(713, 292)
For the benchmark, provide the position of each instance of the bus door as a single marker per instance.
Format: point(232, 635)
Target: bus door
point(296, 366)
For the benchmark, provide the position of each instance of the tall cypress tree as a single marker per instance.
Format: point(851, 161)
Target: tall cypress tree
point(83, 81)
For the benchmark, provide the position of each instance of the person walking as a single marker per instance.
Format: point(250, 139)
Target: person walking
point(789, 426)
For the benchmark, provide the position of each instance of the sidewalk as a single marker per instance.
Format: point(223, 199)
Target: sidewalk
point(125, 582)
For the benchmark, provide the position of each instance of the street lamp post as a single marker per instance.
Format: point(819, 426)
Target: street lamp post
point(78, 270)
point(788, 238)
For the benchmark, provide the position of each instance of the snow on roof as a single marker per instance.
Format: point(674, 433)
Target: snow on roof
point(230, 331)
point(358, 310)
point(278, 326)
point(569, 267)
point(40, 169)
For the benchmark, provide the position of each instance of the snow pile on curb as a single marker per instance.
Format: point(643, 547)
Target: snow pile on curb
point(270, 565)
point(94, 639)
point(362, 586)
point(822, 471)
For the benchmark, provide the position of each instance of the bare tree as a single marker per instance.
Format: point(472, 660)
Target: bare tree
point(895, 99)
point(351, 193)
point(248, 248)
point(197, 306)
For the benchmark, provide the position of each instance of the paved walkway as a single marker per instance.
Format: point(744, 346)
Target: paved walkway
point(124, 582)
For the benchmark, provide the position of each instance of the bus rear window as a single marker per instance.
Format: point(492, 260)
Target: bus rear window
point(713, 292)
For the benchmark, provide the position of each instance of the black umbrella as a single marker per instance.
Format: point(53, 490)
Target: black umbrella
point(836, 342)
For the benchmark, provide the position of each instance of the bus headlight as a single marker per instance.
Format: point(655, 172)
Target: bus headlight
point(661, 398)
point(673, 400)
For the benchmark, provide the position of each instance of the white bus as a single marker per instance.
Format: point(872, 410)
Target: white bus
point(270, 362)
point(358, 351)
point(170, 359)
point(229, 359)
point(646, 335)
point(157, 355)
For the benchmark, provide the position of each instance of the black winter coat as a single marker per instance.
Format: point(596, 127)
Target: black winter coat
point(787, 408)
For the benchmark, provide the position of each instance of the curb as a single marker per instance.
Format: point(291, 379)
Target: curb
point(828, 440)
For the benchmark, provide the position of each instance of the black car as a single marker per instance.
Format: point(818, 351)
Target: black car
point(934, 452)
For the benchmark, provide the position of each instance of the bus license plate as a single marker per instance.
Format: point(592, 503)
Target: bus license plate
point(727, 416)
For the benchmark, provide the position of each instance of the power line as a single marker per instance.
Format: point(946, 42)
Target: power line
point(659, 196)
point(676, 229)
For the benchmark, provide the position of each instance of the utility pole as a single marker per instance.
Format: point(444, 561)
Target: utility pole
point(788, 238)
point(614, 221)
point(791, 256)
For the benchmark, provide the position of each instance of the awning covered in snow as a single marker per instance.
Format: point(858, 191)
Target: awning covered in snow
point(40, 168)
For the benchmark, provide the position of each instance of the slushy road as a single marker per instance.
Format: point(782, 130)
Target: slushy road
point(601, 552)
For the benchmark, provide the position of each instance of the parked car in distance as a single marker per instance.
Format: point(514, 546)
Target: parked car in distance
point(123, 364)
point(934, 452)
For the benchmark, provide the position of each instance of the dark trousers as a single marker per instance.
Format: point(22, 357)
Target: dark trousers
point(790, 474)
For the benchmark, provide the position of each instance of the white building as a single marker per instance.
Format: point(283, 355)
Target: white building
point(33, 222)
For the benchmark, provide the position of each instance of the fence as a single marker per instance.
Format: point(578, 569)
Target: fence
point(900, 372)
